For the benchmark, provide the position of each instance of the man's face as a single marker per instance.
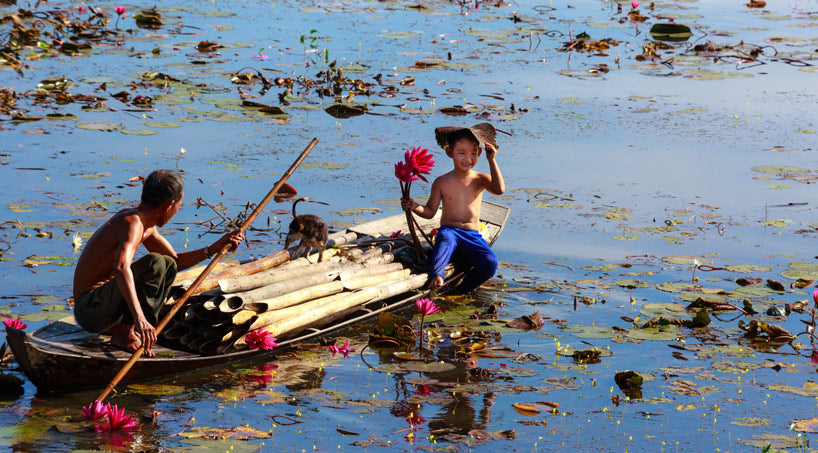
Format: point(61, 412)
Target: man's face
point(172, 210)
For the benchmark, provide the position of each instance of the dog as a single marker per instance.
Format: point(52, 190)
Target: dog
point(312, 231)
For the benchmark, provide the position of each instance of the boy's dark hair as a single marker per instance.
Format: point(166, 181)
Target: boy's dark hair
point(162, 186)
point(459, 134)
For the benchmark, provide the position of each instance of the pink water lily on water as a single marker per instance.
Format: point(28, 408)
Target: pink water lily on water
point(635, 4)
point(120, 10)
point(15, 323)
point(425, 307)
point(814, 297)
point(96, 410)
point(344, 350)
point(261, 339)
point(120, 420)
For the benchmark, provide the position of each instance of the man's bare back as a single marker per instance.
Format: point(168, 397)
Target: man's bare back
point(96, 262)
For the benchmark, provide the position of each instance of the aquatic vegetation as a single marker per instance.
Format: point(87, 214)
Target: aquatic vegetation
point(343, 350)
point(119, 420)
point(96, 410)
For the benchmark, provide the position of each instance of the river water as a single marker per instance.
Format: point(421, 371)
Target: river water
point(621, 171)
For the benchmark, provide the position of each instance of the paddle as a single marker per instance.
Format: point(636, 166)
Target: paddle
point(178, 304)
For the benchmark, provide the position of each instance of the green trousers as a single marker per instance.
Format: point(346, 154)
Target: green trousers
point(103, 307)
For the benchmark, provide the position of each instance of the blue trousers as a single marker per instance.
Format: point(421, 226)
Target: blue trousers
point(468, 251)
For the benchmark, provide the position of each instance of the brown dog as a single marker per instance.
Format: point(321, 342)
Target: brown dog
point(311, 230)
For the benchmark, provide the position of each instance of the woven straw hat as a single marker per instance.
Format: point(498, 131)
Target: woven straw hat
point(483, 132)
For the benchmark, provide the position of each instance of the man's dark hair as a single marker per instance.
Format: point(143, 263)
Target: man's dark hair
point(457, 135)
point(162, 186)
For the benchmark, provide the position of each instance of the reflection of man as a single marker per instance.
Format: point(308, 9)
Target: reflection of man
point(116, 294)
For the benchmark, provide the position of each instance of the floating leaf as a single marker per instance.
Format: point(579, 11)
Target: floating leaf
point(155, 389)
point(107, 127)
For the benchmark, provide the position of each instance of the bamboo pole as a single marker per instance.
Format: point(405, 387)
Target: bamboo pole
point(251, 282)
point(253, 267)
point(237, 301)
point(373, 280)
point(188, 275)
point(370, 270)
point(179, 303)
point(287, 319)
point(296, 297)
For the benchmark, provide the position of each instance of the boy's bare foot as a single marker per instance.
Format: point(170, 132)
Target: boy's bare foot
point(436, 283)
point(124, 337)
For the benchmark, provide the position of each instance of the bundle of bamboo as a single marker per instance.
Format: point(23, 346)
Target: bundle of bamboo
point(286, 297)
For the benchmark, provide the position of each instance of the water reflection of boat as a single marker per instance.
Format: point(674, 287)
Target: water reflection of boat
point(61, 357)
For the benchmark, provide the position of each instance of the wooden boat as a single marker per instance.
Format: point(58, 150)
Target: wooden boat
point(62, 357)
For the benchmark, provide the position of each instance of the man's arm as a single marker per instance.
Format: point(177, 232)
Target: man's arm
point(155, 242)
point(428, 210)
point(128, 245)
point(496, 184)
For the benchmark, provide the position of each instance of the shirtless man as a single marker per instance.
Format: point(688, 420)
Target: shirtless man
point(461, 192)
point(115, 294)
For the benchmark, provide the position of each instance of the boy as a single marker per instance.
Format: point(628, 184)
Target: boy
point(112, 292)
point(461, 191)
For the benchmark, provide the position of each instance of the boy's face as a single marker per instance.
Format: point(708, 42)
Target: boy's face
point(465, 154)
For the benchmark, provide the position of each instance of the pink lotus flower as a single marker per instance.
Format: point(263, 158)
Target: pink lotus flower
point(405, 173)
point(635, 4)
point(260, 57)
point(120, 10)
point(120, 420)
point(345, 349)
point(15, 323)
point(420, 162)
point(261, 339)
point(396, 234)
point(814, 298)
point(427, 307)
point(95, 410)
point(81, 9)
point(814, 357)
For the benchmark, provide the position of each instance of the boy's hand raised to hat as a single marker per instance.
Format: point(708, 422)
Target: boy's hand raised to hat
point(491, 151)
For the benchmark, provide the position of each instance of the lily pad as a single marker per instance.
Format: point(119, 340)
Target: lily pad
point(432, 367)
point(107, 127)
point(155, 389)
point(163, 124)
point(659, 333)
point(138, 131)
point(747, 268)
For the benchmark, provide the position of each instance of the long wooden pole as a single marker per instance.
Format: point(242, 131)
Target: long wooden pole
point(191, 290)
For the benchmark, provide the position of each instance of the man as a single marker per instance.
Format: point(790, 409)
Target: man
point(115, 294)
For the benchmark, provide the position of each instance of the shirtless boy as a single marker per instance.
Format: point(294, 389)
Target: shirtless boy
point(461, 190)
point(116, 294)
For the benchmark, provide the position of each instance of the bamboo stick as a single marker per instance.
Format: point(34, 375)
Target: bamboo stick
point(253, 267)
point(370, 270)
point(250, 282)
point(373, 280)
point(190, 274)
point(280, 322)
point(286, 300)
point(400, 286)
point(238, 300)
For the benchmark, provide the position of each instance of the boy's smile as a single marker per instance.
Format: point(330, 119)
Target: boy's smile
point(465, 155)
